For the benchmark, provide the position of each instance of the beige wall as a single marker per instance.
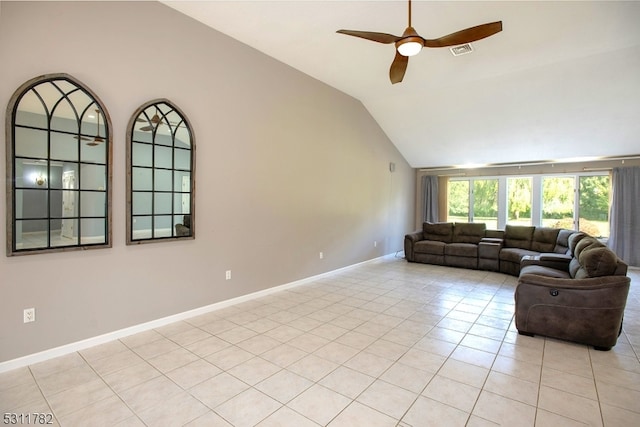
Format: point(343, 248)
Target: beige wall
point(286, 167)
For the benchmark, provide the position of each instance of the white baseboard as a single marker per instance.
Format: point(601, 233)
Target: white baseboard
point(110, 336)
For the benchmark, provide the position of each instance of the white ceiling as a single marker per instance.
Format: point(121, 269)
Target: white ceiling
point(561, 81)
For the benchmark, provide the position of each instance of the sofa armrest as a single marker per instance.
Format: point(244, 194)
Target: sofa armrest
point(552, 260)
point(409, 241)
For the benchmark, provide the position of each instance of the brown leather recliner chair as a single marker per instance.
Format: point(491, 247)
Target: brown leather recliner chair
point(584, 303)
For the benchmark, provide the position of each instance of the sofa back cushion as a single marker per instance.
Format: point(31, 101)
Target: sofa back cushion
point(464, 232)
point(596, 261)
point(544, 239)
point(573, 240)
point(586, 242)
point(518, 236)
point(440, 231)
point(562, 243)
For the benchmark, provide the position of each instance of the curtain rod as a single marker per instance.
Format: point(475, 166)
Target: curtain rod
point(531, 163)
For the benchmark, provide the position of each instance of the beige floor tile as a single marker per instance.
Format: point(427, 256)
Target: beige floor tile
point(229, 357)
point(336, 352)
point(387, 349)
point(218, 389)
point(57, 365)
point(248, 408)
point(106, 412)
point(174, 411)
point(356, 340)
point(357, 414)
point(464, 372)
point(150, 393)
point(620, 377)
point(312, 367)
point(446, 335)
point(189, 336)
point(254, 370)
point(473, 356)
point(546, 418)
point(347, 381)
point(115, 362)
point(210, 419)
point(615, 416)
point(174, 328)
point(407, 377)
point(207, 346)
point(194, 373)
point(218, 326)
point(236, 334)
point(517, 368)
point(155, 348)
point(24, 393)
point(66, 379)
point(103, 350)
point(284, 385)
point(571, 383)
point(258, 344)
point(523, 353)
point(132, 376)
point(428, 412)
point(368, 364)
point(619, 397)
point(141, 338)
point(422, 360)
point(308, 342)
point(512, 388)
point(475, 421)
point(504, 411)
point(172, 360)
point(319, 404)
point(570, 405)
point(78, 397)
point(285, 417)
point(387, 398)
point(453, 393)
point(283, 355)
point(436, 346)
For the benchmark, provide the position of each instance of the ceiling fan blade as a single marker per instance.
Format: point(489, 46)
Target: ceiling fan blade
point(368, 35)
point(146, 128)
point(82, 138)
point(466, 36)
point(398, 68)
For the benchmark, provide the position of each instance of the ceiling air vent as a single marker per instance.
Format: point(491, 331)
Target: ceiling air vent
point(462, 49)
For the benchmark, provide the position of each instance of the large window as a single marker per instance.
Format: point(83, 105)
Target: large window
point(574, 201)
point(59, 156)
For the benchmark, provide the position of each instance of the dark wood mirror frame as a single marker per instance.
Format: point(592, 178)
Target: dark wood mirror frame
point(160, 174)
point(59, 129)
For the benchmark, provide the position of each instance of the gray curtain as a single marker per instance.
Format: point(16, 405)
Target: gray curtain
point(624, 239)
point(430, 192)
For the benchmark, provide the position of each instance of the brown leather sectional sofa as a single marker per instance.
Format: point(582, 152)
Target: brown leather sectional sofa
point(570, 285)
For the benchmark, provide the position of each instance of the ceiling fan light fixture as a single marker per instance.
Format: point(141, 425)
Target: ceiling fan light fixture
point(409, 46)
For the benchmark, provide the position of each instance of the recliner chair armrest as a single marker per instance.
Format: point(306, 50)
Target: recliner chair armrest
point(416, 236)
point(590, 283)
point(552, 260)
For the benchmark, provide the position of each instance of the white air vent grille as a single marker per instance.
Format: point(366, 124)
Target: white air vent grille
point(462, 49)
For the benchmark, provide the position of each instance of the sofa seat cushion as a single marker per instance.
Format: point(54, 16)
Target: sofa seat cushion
point(515, 254)
point(544, 271)
point(518, 236)
point(468, 232)
point(461, 249)
point(439, 232)
point(429, 247)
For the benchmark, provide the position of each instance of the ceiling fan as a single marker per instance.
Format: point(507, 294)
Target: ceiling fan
point(410, 43)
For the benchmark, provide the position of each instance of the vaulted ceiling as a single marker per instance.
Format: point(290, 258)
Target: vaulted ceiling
point(560, 82)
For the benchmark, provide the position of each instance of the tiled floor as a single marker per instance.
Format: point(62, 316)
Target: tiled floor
point(383, 344)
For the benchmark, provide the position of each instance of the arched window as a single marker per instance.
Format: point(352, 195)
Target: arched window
point(59, 164)
point(160, 179)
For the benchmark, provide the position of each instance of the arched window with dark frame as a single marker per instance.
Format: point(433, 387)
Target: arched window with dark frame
point(161, 170)
point(59, 165)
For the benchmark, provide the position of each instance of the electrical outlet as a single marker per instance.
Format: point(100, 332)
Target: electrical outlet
point(29, 315)
point(321, 255)
point(375, 243)
point(228, 275)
